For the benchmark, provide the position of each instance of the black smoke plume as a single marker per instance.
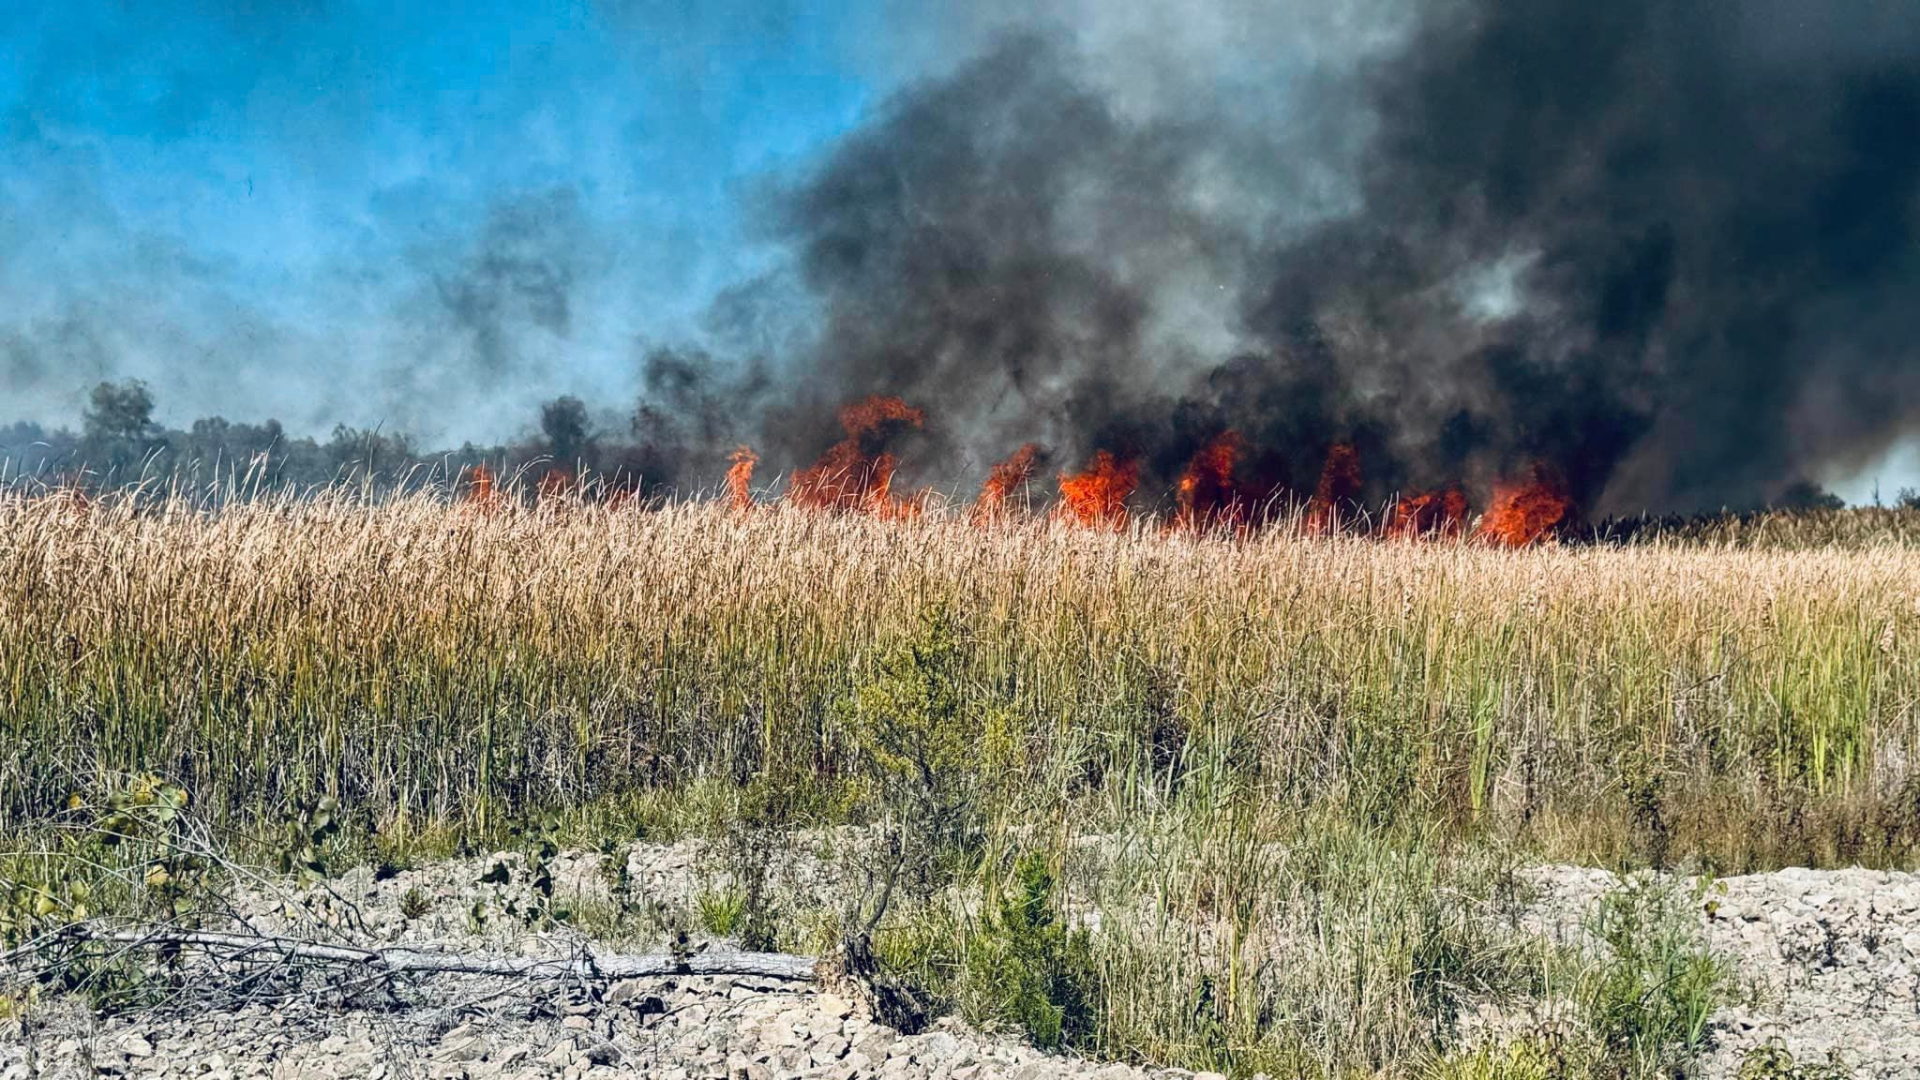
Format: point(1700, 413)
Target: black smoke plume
point(1668, 250)
point(695, 408)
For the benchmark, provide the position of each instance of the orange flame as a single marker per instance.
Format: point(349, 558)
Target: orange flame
point(1207, 492)
point(1005, 478)
point(1430, 513)
point(72, 497)
point(556, 485)
point(1524, 512)
point(740, 478)
point(854, 474)
point(1098, 496)
point(483, 492)
point(888, 507)
point(1339, 488)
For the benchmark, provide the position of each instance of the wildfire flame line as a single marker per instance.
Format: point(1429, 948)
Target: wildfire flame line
point(1429, 514)
point(1003, 480)
point(1207, 495)
point(1337, 492)
point(1525, 512)
point(740, 478)
point(483, 490)
point(1097, 497)
point(856, 475)
point(557, 485)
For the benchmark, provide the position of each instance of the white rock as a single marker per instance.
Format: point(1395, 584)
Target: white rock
point(463, 1043)
point(936, 1046)
point(827, 1050)
point(779, 1032)
point(625, 990)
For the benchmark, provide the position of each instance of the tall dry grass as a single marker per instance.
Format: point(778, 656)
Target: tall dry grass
point(1288, 777)
point(429, 663)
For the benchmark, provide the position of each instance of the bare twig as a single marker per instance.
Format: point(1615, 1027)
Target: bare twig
point(584, 965)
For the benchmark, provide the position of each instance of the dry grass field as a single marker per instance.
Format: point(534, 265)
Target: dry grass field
point(1288, 776)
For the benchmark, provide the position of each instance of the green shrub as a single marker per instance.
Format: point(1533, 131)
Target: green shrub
point(415, 903)
point(916, 736)
point(921, 749)
point(1656, 985)
point(1521, 1059)
point(1032, 970)
point(722, 912)
point(131, 848)
point(1773, 1061)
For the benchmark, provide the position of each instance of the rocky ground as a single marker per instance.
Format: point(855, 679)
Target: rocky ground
point(1828, 963)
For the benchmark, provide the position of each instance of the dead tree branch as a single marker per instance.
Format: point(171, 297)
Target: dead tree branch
point(248, 948)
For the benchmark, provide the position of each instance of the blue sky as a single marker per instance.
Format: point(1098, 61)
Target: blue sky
point(382, 213)
point(195, 183)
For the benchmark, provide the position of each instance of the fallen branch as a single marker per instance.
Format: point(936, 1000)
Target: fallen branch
point(584, 965)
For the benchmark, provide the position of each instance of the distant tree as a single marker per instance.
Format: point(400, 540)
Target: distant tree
point(118, 431)
point(366, 452)
point(119, 412)
point(564, 423)
point(217, 448)
point(265, 437)
point(1908, 499)
point(210, 431)
point(21, 432)
point(27, 448)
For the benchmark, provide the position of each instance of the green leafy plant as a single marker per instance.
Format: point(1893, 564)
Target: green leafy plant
point(1529, 1058)
point(1773, 1061)
point(539, 844)
point(919, 746)
point(1031, 968)
point(303, 854)
point(415, 903)
point(722, 911)
point(132, 849)
point(1656, 985)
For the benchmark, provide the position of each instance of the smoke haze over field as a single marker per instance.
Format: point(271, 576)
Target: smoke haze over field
point(1669, 251)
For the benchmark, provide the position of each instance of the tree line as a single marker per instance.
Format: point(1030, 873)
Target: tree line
point(119, 443)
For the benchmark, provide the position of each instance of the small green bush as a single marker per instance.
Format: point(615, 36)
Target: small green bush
point(1657, 985)
point(1521, 1059)
point(916, 737)
point(1031, 969)
point(415, 903)
point(1773, 1061)
point(722, 912)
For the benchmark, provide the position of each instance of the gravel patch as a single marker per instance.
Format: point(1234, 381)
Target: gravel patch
point(1828, 963)
point(674, 1029)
